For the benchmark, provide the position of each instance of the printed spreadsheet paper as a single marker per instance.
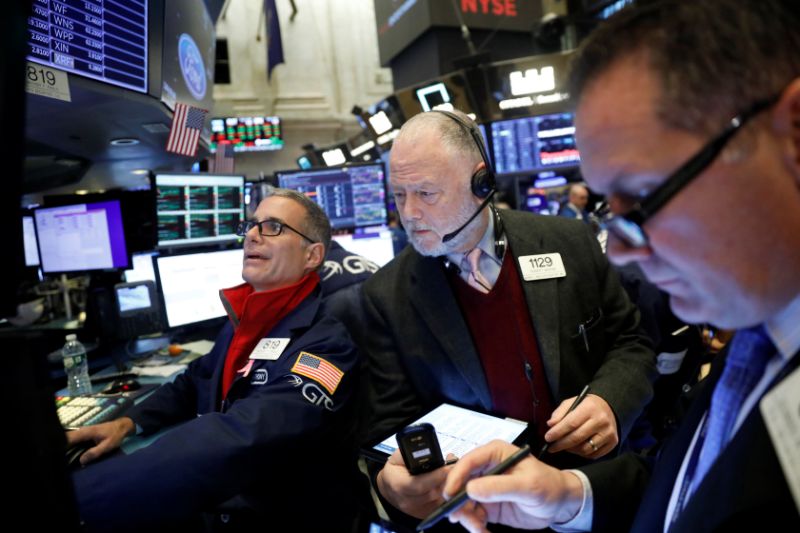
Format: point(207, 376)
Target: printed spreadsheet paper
point(460, 430)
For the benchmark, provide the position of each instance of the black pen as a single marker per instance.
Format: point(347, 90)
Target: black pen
point(461, 498)
point(572, 407)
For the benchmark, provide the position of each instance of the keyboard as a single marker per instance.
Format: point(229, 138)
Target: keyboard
point(77, 411)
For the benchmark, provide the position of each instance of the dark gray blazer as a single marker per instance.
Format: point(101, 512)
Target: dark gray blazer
point(745, 490)
point(420, 352)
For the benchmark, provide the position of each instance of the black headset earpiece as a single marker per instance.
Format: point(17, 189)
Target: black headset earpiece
point(483, 180)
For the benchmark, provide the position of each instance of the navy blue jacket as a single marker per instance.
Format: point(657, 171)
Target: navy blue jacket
point(276, 439)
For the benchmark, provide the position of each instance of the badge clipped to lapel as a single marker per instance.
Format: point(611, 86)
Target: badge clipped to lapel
point(541, 266)
point(269, 349)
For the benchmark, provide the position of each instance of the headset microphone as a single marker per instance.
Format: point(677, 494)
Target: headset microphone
point(450, 236)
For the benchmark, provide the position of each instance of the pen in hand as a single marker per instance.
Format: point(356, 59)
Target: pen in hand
point(572, 407)
point(461, 497)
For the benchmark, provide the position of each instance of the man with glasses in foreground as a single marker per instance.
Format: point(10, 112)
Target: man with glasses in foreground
point(261, 421)
point(656, 91)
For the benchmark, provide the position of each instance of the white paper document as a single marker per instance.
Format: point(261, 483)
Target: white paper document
point(460, 430)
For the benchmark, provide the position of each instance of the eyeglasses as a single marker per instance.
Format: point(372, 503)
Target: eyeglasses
point(268, 228)
point(628, 227)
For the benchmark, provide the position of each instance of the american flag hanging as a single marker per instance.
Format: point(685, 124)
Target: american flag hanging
point(187, 122)
point(223, 160)
point(319, 370)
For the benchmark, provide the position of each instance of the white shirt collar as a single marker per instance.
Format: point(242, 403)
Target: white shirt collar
point(784, 329)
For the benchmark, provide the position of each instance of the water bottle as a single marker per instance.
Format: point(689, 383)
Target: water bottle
point(76, 366)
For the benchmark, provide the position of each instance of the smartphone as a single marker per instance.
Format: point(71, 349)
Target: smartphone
point(420, 448)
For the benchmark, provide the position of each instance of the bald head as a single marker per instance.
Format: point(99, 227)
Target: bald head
point(454, 137)
point(579, 196)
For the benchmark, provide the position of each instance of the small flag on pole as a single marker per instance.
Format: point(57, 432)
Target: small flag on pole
point(223, 160)
point(187, 122)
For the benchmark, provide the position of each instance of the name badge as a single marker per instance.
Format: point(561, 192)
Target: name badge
point(269, 349)
point(542, 266)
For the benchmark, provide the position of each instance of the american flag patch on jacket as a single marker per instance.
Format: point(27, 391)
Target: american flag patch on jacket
point(319, 370)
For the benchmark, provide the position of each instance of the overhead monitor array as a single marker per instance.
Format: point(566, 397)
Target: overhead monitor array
point(106, 41)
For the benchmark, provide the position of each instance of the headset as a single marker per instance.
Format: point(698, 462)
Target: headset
point(483, 181)
point(483, 185)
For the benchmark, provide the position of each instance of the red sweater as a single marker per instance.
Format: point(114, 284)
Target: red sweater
point(503, 334)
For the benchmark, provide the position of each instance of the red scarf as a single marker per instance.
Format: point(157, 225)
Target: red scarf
point(258, 313)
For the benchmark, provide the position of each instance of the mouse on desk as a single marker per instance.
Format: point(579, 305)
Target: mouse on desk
point(121, 386)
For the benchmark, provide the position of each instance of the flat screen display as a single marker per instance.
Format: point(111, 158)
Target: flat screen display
point(532, 144)
point(198, 208)
point(377, 246)
point(352, 196)
point(76, 238)
point(247, 134)
point(191, 283)
point(29, 241)
point(105, 40)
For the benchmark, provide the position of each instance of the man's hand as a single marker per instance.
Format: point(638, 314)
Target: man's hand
point(107, 437)
point(589, 431)
point(530, 495)
point(416, 495)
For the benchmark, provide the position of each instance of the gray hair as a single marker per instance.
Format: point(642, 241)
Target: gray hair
point(456, 138)
point(315, 224)
point(714, 58)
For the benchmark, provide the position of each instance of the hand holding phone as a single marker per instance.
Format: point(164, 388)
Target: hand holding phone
point(420, 449)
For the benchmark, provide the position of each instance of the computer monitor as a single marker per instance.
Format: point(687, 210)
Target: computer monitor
point(138, 213)
point(198, 208)
point(532, 144)
point(190, 284)
point(105, 42)
point(376, 245)
point(29, 242)
point(81, 237)
point(247, 134)
point(353, 196)
point(544, 192)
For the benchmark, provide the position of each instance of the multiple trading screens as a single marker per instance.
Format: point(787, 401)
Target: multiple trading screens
point(352, 196)
point(198, 208)
point(106, 41)
point(532, 144)
point(246, 134)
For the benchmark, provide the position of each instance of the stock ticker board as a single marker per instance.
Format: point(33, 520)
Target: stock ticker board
point(99, 39)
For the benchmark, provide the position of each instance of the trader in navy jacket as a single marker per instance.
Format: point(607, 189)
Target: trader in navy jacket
point(260, 422)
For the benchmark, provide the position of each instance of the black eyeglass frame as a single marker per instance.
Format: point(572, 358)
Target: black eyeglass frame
point(628, 226)
point(246, 225)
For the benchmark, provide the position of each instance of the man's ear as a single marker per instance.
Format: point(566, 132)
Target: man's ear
point(786, 124)
point(316, 255)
